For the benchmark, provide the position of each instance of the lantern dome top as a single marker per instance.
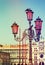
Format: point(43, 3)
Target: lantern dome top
point(29, 10)
point(38, 19)
point(14, 24)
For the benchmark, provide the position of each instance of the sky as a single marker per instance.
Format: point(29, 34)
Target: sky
point(14, 11)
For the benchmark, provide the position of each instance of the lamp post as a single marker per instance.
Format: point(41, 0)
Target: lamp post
point(15, 28)
point(30, 34)
point(29, 14)
point(38, 26)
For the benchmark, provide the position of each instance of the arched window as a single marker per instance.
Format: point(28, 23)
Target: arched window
point(14, 64)
point(18, 64)
point(41, 63)
point(22, 64)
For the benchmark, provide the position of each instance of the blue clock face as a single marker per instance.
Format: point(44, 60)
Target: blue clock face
point(41, 56)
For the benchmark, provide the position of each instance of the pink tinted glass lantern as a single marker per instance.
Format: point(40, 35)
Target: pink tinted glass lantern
point(38, 25)
point(29, 14)
point(14, 28)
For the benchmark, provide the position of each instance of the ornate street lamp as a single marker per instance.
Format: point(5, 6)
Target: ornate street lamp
point(30, 34)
